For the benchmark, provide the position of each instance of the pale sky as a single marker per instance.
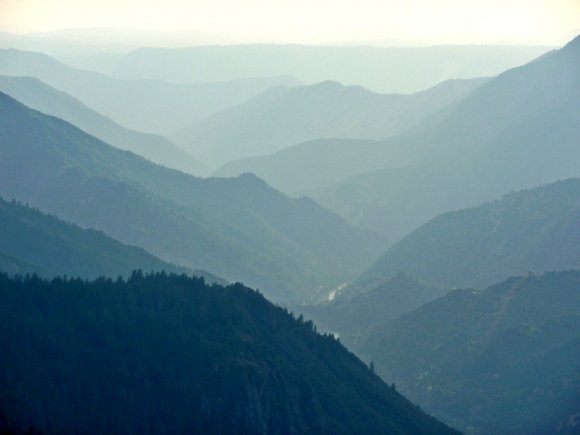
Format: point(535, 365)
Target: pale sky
point(546, 22)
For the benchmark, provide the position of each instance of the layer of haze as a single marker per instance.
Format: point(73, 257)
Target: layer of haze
point(419, 22)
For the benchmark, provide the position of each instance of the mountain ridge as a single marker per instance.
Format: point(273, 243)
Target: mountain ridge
point(534, 230)
point(239, 229)
point(282, 117)
point(150, 106)
point(516, 131)
point(44, 98)
point(55, 247)
point(383, 69)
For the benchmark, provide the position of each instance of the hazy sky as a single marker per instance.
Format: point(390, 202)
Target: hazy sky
point(313, 21)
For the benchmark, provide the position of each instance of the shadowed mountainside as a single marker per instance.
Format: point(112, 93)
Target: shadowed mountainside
point(33, 242)
point(240, 229)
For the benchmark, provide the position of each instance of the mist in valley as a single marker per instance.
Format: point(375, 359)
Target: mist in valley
point(286, 218)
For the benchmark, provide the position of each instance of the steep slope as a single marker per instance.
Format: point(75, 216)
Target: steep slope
point(240, 229)
point(147, 105)
point(382, 69)
point(57, 248)
point(39, 96)
point(535, 230)
point(352, 318)
point(176, 356)
point(516, 131)
point(281, 117)
point(503, 360)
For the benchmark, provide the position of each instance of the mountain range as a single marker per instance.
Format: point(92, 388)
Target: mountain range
point(284, 116)
point(516, 131)
point(381, 69)
point(240, 229)
point(39, 96)
point(500, 360)
point(149, 106)
point(321, 163)
point(436, 234)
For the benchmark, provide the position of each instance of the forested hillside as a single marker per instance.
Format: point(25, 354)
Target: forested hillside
point(168, 354)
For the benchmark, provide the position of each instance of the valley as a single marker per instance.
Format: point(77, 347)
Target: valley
point(273, 238)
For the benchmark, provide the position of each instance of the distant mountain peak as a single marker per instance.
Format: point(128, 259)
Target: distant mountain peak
point(574, 44)
point(330, 84)
point(251, 179)
point(336, 86)
point(403, 278)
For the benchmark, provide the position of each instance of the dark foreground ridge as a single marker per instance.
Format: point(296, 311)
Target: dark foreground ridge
point(169, 354)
